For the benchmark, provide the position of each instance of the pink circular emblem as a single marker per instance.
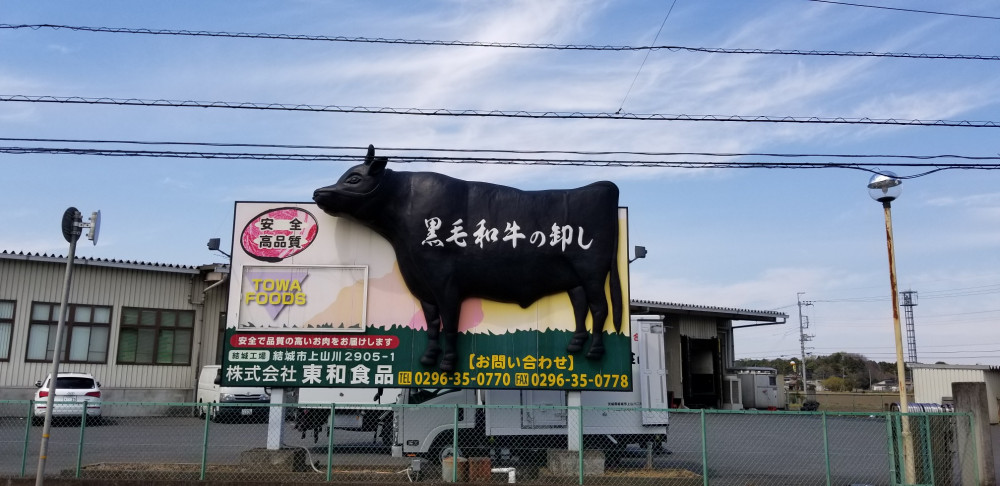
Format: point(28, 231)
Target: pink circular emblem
point(277, 234)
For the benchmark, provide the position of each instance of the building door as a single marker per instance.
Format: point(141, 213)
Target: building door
point(702, 372)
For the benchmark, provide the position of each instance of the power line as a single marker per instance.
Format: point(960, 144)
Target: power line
point(646, 57)
point(577, 115)
point(506, 45)
point(910, 10)
point(492, 161)
point(931, 294)
point(515, 151)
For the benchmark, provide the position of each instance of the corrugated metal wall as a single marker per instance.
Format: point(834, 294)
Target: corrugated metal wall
point(993, 394)
point(117, 285)
point(930, 385)
point(698, 327)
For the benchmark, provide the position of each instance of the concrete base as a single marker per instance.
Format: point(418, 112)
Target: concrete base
point(451, 467)
point(280, 460)
point(567, 463)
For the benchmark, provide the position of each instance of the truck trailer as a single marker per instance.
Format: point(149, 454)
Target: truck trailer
point(517, 424)
point(314, 405)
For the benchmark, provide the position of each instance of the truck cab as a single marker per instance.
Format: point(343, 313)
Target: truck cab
point(494, 420)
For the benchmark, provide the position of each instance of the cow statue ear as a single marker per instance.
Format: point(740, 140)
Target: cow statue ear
point(375, 164)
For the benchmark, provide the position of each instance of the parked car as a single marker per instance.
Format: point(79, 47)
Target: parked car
point(74, 393)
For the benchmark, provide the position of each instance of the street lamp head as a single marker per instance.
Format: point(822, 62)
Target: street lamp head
point(640, 252)
point(885, 187)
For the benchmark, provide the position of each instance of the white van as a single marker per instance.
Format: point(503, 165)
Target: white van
point(209, 391)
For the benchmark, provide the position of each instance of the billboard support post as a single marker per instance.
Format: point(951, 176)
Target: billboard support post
point(276, 421)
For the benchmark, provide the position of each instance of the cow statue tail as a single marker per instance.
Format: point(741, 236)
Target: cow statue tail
point(616, 285)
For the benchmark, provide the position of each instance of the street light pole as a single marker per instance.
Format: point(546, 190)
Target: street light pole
point(72, 223)
point(885, 188)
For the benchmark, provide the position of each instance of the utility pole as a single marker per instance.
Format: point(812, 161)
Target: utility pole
point(803, 337)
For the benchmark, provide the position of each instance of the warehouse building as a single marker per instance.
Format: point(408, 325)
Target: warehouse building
point(932, 383)
point(145, 329)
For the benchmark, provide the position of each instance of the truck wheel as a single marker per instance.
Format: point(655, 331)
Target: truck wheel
point(447, 452)
point(442, 448)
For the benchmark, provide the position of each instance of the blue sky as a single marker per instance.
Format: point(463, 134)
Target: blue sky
point(746, 238)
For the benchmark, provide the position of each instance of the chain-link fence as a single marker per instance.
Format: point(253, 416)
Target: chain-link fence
point(509, 444)
point(846, 402)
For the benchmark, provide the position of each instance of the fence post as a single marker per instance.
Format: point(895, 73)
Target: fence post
point(79, 447)
point(826, 448)
point(329, 443)
point(975, 447)
point(580, 431)
point(890, 446)
point(204, 441)
point(454, 447)
point(704, 450)
point(27, 436)
point(928, 450)
point(972, 398)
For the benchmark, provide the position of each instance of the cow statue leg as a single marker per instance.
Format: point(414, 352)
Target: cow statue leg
point(441, 320)
point(450, 311)
point(433, 349)
point(599, 311)
point(578, 299)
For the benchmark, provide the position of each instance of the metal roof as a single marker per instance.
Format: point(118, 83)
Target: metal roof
point(953, 366)
point(731, 313)
point(99, 262)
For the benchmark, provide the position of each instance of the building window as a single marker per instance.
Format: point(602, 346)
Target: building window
point(155, 336)
point(6, 327)
point(87, 328)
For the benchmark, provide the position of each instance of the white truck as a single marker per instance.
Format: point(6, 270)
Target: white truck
point(525, 423)
point(211, 392)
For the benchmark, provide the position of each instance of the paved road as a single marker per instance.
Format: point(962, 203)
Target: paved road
point(162, 440)
point(764, 449)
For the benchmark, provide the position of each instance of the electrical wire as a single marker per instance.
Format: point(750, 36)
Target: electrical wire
point(505, 45)
point(621, 106)
point(578, 115)
point(909, 10)
point(501, 161)
point(507, 151)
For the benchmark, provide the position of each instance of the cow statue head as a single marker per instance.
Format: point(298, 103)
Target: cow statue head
point(355, 193)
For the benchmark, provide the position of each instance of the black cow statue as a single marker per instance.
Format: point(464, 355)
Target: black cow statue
point(457, 239)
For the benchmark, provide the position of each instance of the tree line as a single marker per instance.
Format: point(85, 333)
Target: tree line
point(839, 371)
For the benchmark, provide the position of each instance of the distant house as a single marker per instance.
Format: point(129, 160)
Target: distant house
point(890, 385)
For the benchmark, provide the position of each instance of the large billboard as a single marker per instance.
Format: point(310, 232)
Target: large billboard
point(320, 301)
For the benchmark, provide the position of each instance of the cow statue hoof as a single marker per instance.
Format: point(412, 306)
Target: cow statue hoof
point(576, 342)
point(448, 362)
point(430, 356)
point(595, 353)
